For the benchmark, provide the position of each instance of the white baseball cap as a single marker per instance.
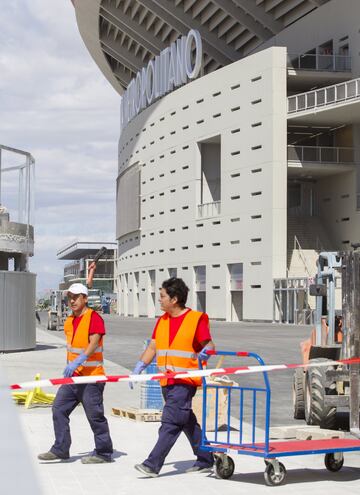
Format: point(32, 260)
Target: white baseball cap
point(77, 289)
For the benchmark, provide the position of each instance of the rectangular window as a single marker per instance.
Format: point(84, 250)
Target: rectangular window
point(210, 152)
point(172, 271)
point(236, 276)
point(200, 287)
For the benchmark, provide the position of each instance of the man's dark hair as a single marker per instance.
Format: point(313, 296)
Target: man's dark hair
point(176, 287)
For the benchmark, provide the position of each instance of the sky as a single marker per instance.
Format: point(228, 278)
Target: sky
point(56, 104)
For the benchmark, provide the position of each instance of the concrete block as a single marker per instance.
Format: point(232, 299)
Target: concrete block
point(283, 432)
point(316, 433)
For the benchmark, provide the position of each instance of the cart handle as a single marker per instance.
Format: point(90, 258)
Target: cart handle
point(259, 359)
point(213, 352)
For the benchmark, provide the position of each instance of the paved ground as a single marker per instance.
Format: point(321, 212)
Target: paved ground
point(132, 442)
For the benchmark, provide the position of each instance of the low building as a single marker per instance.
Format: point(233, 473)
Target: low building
point(81, 254)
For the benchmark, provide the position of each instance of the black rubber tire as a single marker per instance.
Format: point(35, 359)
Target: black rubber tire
point(222, 471)
point(298, 394)
point(269, 475)
point(332, 464)
point(316, 413)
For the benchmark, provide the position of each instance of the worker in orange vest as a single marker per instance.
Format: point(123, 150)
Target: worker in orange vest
point(84, 331)
point(180, 336)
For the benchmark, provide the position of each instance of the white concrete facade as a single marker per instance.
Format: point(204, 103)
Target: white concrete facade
point(242, 107)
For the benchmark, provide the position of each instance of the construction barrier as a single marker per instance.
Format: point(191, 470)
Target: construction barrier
point(34, 397)
point(194, 373)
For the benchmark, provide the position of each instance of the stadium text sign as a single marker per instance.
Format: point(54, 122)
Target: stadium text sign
point(174, 66)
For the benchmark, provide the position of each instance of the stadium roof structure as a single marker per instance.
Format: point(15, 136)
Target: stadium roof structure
point(123, 35)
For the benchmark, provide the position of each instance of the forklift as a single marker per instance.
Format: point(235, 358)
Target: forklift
point(57, 311)
point(320, 393)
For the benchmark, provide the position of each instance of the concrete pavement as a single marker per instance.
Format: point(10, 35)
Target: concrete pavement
point(133, 441)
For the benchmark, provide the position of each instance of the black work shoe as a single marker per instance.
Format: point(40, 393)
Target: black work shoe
point(146, 470)
point(94, 459)
point(199, 469)
point(50, 456)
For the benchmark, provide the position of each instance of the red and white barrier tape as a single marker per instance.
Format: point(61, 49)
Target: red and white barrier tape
point(188, 374)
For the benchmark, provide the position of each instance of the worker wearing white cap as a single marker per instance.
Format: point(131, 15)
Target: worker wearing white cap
point(84, 331)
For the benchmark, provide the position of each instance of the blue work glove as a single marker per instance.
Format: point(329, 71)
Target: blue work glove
point(71, 367)
point(202, 354)
point(139, 368)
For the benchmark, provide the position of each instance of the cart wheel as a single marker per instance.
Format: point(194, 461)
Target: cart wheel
point(224, 467)
point(332, 464)
point(273, 479)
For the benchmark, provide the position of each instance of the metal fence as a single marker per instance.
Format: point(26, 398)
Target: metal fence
point(209, 209)
point(322, 154)
point(291, 303)
point(338, 93)
point(312, 61)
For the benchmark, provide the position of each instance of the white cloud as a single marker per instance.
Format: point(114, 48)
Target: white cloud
point(56, 104)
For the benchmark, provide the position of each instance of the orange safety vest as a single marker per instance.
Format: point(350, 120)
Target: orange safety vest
point(180, 354)
point(76, 344)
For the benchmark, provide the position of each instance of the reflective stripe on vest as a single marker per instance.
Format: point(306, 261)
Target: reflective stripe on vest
point(169, 367)
point(92, 363)
point(79, 350)
point(183, 354)
point(180, 354)
point(76, 344)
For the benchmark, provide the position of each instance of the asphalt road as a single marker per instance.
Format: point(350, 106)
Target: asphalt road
point(274, 343)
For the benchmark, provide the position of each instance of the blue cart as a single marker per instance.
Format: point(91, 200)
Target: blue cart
point(257, 442)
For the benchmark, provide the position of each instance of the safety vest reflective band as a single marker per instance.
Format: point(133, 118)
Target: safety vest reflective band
point(180, 354)
point(168, 352)
point(76, 344)
point(79, 350)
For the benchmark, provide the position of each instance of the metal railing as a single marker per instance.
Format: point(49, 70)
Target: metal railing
point(290, 301)
point(209, 209)
point(298, 248)
point(322, 154)
point(308, 61)
point(337, 93)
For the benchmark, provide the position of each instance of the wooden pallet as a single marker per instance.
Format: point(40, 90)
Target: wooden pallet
point(137, 414)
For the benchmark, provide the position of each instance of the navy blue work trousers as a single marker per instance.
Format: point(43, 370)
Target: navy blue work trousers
point(178, 416)
point(91, 397)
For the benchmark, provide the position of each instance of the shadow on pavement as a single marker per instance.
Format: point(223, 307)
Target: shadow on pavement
point(75, 458)
point(45, 347)
point(302, 476)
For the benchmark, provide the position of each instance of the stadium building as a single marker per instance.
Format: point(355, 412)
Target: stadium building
point(238, 155)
